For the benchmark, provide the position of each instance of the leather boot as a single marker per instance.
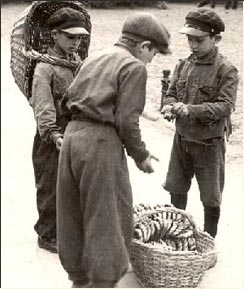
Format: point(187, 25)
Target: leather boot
point(47, 244)
point(103, 284)
point(212, 3)
point(227, 4)
point(81, 284)
point(234, 4)
point(211, 219)
point(179, 200)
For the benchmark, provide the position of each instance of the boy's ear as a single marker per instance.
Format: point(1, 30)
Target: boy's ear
point(54, 33)
point(217, 37)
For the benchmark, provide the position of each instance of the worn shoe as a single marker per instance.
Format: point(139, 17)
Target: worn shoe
point(227, 5)
point(81, 284)
point(105, 284)
point(49, 245)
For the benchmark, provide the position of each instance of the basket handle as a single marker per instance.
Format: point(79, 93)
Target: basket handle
point(182, 212)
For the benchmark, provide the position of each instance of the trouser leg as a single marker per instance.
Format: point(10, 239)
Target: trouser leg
point(180, 173)
point(109, 225)
point(227, 4)
point(70, 220)
point(45, 163)
point(234, 4)
point(95, 212)
point(212, 3)
point(46, 223)
point(179, 200)
point(211, 219)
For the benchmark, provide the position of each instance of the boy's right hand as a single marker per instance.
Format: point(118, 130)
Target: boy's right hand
point(146, 165)
point(180, 109)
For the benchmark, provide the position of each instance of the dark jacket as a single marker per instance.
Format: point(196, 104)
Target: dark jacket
point(111, 88)
point(50, 82)
point(209, 87)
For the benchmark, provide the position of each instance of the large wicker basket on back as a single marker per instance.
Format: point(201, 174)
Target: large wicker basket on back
point(31, 36)
point(156, 263)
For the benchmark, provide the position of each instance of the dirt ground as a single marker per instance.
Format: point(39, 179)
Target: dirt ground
point(18, 128)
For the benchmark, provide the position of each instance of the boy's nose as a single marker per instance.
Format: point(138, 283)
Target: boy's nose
point(76, 42)
point(194, 45)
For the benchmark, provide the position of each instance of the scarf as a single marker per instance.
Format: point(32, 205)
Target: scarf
point(51, 59)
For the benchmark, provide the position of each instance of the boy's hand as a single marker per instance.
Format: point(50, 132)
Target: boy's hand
point(146, 165)
point(166, 109)
point(167, 112)
point(58, 143)
point(180, 109)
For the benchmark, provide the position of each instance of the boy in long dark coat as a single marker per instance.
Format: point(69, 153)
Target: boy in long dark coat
point(52, 76)
point(94, 197)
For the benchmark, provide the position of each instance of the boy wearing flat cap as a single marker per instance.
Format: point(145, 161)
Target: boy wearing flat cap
point(201, 97)
point(94, 197)
point(52, 75)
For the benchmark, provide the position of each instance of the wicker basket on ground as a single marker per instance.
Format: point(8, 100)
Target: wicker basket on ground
point(31, 37)
point(174, 256)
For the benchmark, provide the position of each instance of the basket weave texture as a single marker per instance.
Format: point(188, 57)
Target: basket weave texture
point(155, 266)
point(31, 38)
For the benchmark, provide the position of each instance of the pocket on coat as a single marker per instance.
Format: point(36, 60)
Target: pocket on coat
point(206, 94)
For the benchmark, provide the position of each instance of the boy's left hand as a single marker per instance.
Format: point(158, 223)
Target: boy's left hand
point(180, 109)
point(58, 143)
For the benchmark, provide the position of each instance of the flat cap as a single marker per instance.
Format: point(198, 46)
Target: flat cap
point(145, 26)
point(68, 20)
point(203, 22)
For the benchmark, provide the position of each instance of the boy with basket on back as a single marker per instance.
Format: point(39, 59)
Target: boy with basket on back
point(94, 197)
point(201, 97)
point(52, 76)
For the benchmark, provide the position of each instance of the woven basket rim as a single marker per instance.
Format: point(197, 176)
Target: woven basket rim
point(196, 232)
point(31, 9)
point(155, 266)
point(164, 209)
point(36, 4)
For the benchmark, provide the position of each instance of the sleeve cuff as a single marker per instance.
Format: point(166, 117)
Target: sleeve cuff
point(54, 135)
point(140, 158)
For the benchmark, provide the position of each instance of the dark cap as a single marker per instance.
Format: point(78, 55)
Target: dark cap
point(203, 22)
point(68, 20)
point(145, 26)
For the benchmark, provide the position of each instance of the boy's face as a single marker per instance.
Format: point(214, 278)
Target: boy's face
point(145, 53)
point(201, 46)
point(66, 43)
